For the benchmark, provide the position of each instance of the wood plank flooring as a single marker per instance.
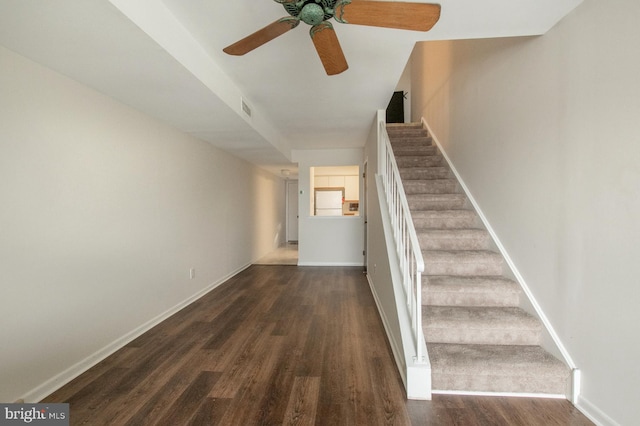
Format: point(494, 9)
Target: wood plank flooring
point(278, 345)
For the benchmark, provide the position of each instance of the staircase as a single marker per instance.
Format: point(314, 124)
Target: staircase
point(478, 338)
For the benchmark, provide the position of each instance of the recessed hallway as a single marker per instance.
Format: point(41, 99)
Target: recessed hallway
point(286, 254)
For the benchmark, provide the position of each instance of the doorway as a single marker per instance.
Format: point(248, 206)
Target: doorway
point(364, 213)
point(292, 211)
point(395, 109)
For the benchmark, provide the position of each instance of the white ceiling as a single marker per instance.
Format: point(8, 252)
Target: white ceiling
point(165, 58)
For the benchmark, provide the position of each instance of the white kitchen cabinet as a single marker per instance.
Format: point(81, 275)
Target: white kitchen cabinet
point(351, 188)
point(336, 181)
point(321, 182)
point(351, 185)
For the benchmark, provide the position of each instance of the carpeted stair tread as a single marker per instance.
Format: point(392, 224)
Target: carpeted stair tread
point(453, 239)
point(423, 149)
point(401, 126)
point(480, 325)
point(496, 368)
point(421, 161)
point(408, 139)
point(417, 124)
point(415, 173)
point(400, 132)
point(400, 136)
point(447, 290)
point(404, 126)
point(462, 262)
point(431, 186)
point(437, 201)
point(459, 218)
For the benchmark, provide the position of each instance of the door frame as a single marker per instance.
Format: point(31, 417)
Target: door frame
point(288, 217)
point(363, 212)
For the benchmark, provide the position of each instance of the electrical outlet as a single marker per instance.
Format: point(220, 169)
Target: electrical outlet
point(192, 273)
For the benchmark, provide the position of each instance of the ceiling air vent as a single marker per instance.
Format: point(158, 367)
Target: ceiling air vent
point(245, 108)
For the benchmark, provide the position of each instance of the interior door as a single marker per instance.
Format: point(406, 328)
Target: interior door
point(292, 211)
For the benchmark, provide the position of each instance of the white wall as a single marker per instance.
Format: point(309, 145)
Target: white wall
point(103, 210)
point(544, 131)
point(327, 240)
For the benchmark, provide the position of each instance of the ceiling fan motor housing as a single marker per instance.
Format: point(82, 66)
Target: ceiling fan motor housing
point(311, 12)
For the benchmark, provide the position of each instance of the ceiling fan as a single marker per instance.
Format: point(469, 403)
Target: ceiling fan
point(389, 14)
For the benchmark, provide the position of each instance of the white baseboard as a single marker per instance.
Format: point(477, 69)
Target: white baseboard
point(500, 394)
point(331, 264)
point(59, 380)
point(594, 414)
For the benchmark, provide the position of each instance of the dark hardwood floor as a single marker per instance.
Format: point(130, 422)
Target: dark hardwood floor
point(278, 345)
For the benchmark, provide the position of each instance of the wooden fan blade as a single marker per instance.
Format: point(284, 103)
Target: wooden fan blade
point(262, 36)
point(404, 16)
point(328, 48)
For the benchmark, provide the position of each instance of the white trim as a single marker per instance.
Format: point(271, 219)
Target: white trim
point(501, 394)
point(576, 385)
point(556, 339)
point(61, 379)
point(287, 216)
point(330, 264)
point(594, 413)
